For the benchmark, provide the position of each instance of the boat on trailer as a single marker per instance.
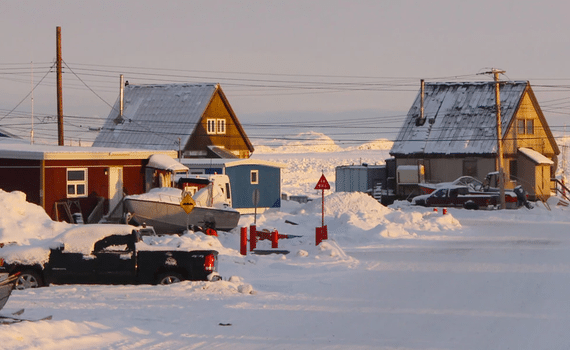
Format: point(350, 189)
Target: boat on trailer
point(161, 208)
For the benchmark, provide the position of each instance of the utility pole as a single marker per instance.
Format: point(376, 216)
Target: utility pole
point(499, 164)
point(60, 141)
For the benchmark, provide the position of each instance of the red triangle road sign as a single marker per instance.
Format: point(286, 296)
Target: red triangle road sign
point(323, 184)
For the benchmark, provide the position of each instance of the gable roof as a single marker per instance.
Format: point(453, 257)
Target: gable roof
point(460, 118)
point(156, 116)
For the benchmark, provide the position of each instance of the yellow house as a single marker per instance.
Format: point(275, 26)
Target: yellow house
point(456, 134)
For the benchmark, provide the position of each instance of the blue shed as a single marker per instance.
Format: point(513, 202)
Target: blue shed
point(246, 175)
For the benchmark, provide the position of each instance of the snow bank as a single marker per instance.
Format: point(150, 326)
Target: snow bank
point(22, 221)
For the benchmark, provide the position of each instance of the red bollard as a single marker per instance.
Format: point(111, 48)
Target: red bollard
point(243, 241)
point(321, 234)
point(435, 210)
point(444, 211)
point(252, 237)
point(275, 239)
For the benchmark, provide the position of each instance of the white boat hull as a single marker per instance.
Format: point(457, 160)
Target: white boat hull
point(171, 218)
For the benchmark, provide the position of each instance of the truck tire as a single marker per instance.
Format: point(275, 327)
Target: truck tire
point(470, 205)
point(28, 279)
point(169, 278)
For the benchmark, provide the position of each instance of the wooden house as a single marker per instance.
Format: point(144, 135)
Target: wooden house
point(68, 180)
point(246, 176)
point(456, 134)
point(194, 119)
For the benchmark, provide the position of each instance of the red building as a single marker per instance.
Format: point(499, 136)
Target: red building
point(67, 180)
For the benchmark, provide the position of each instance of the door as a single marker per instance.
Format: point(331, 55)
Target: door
point(65, 267)
point(115, 187)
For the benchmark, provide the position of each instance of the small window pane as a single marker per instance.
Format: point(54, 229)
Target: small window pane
point(70, 189)
point(254, 177)
point(520, 126)
point(211, 126)
point(80, 189)
point(221, 126)
point(75, 175)
point(530, 126)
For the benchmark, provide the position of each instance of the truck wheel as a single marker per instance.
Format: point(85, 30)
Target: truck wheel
point(470, 205)
point(169, 278)
point(28, 279)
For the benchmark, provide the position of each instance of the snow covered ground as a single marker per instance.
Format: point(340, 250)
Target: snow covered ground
point(400, 277)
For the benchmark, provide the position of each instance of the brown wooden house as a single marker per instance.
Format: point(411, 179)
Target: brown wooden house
point(66, 180)
point(456, 134)
point(194, 119)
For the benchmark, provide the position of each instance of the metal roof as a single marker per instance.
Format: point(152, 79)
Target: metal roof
point(460, 118)
point(156, 116)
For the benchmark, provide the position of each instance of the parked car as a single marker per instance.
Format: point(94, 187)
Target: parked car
point(85, 256)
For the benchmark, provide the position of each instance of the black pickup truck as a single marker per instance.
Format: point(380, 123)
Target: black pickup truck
point(118, 258)
point(457, 196)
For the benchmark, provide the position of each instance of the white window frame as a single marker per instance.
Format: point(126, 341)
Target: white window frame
point(254, 177)
point(76, 183)
point(221, 126)
point(211, 126)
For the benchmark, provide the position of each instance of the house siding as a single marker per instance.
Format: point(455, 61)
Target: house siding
point(22, 175)
point(269, 186)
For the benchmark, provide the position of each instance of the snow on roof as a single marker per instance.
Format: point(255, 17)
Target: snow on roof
point(19, 149)
point(156, 116)
point(164, 162)
point(460, 118)
point(535, 156)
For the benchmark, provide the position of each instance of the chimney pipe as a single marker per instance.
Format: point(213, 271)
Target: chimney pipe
point(121, 96)
point(119, 119)
point(421, 119)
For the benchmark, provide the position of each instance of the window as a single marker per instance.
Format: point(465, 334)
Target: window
point(530, 126)
point(211, 126)
point(520, 126)
point(216, 126)
point(254, 177)
point(221, 126)
point(513, 169)
point(76, 182)
point(525, 126)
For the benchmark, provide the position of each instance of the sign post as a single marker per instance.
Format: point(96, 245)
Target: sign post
point(255, 199)
point(187, 203)
point(321, 232)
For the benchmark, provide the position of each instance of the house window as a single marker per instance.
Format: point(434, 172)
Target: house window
point(530, 126)
point(216, 126)
point(513, 170)
point(520, 126)
point(76, 182)
point(211, 126)
point(254, 177)
point(221, 126)
point(525, 126)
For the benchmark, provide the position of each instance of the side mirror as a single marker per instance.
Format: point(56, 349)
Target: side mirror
point(137, 235)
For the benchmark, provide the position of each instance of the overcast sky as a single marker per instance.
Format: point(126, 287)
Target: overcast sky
point(321, 62)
